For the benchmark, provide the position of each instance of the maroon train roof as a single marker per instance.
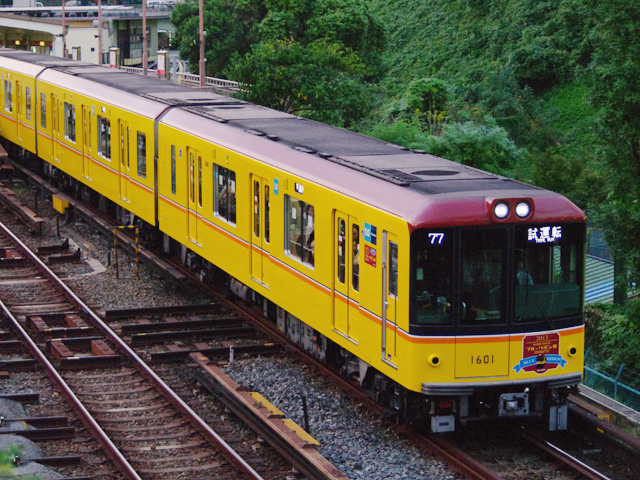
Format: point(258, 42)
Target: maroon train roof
point(423, 189)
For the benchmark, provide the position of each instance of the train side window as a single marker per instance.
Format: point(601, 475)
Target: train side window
point(142, 155)
point(70, 122)
point(8, 103)
point(173, 169)
point(224, 194)
point(43, 110)
point(299, 229)
point(104, 137)
point(28, 102)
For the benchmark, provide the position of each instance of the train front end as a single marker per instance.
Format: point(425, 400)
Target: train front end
point(496, 310)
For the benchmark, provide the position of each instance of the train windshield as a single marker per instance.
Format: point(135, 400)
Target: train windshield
point(549, 272)
point(502, 275)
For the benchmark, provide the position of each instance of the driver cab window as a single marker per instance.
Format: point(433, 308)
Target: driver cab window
point(431, 277)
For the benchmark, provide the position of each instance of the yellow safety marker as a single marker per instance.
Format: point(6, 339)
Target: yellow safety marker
point(274, 412)
point(60, 202)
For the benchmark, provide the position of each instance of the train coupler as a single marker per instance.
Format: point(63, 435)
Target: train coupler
point(514, 404)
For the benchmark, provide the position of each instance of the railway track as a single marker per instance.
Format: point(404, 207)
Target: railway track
point(146, 429)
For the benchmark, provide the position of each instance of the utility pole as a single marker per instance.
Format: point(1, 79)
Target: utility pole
point(99, 32)
point(144, 37)
point(201, 13)
point(64, 32)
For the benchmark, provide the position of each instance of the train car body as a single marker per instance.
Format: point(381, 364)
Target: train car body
point(451, 293)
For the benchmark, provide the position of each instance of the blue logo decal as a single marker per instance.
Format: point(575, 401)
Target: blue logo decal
point(370, 233)
point(531, 361)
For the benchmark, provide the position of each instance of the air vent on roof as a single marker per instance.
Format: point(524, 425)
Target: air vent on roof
point(275, 138)
point(405, 177)
point(436, 173)
point(304, 149)
point(257, 133)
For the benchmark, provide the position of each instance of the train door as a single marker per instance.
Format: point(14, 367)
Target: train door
point(19, 110)
point(390, 296)
point(482, 335)
point(125, 159)
point(260, 236)
point(346, 279)
point(194, 163)
point(86, 139)
point(55, 126)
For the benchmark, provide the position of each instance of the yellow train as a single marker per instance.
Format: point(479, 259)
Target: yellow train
point(450, 293)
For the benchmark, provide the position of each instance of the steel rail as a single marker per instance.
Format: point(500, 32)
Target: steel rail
point(86, 417)
point(563, 456)
point(169, 394)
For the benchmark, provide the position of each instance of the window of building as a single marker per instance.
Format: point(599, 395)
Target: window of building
point(43, 110)
point(224, 193)
point(104, 137)
point(70, 122)
point(142, 155)
point(8, 102)
point(173, 169)
point(299, 229)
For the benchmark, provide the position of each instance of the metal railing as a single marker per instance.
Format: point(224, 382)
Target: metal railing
point(616, 381)
point(191, 80)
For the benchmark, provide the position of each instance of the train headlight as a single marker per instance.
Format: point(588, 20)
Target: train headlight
point(523, 209)
point(572, 351)
point(501, 210)
point(434, 360)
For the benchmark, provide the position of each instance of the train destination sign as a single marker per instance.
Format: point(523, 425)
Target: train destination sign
point(544, 234)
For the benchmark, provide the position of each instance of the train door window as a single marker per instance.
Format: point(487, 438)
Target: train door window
point(104, 137)
point(173, 169)
point(393, 269)
point(8, 105)
point(224, 195)
point(192, 177)
point(299, 229)
point(199, 181)
point(266, 213)
point(27, 95)
point(483, 274)
point(86, 127)
point(128, 147)
point(256, 208)
point(19, 99)
point(70, 122)
point(43, 110)
point(355, 257)
point(142, 155)
point(342, 249)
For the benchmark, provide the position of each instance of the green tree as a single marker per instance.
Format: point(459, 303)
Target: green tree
point(311, 58)
point(614, 88)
